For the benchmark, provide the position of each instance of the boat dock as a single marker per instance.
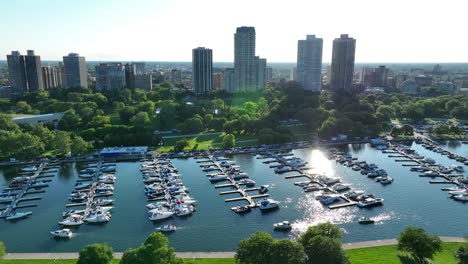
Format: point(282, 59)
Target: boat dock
point(303, 173)
point(214, 164)
point(28, 188)
point(451, 155)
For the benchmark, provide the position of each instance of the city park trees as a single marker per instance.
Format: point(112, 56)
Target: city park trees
point(419, 244)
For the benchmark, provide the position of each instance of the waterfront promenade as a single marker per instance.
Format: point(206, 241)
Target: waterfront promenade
point(221, 254)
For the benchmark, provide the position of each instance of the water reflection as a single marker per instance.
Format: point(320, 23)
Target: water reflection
point(320, 164)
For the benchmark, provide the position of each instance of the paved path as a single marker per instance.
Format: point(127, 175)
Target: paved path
point(223, 254)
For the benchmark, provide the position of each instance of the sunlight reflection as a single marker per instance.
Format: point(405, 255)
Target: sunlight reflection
point(320, 163)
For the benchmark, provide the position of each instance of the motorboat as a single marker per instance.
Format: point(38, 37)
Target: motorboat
point(459, 192)
point(463, 180)
point(280, 170)
point(462, 197)
point(103, 202)
point(429, 174)
point(247, 182)
point(370, 202)
point(428, 160)
point(7, 199)
point(83, 185)
point(39, 184)
point(356, 168)
point(457, 168)
point(88, 170)
point(18, 215)
point(241, 209)
point(268, 204)
point(282, 226)
point(331, 181)
point(29, 169)
point(328, 198)
point(166, 228)
point(302, 183)
point(74, 220)
point(98, 218)
point(62, 233)
point(354, 194)
point(183, 212)
point(341, 187)
point(263, 189)
point(160, 215)
point(86, 175)
point(384, 180)
point(219, 177)
point(366, 220)
point(72, 213)
point(312, 188)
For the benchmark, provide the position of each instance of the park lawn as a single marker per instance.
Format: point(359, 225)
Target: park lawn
point(208, 142)
point(390, 255)
point(116, 261)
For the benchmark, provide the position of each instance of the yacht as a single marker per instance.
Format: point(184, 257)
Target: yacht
point(29, 169)
point(282, 226)
point(183, 211)
point(461, 197)
point(18, 215)
point(459, 192)
point(72, 221)
point(166, 228)
point(160, 215)
point(241, 209)
point(7, 199)
point(384, 180)
point(247, 182)
point(356, 168)
point(282, 170)
point(429, 174)
point(341, 187)
point(86, 175)
point(457, 168)
point(332, 181)
point(354, 194)
point(98, 218)
point(267, 204)
point(328, 199)
point(365, 220)
point(312, 188)
point(369, 202)
point(103, 202)
point(302, 183)
point(83, 185)
point(62, 233)
point(219, 177)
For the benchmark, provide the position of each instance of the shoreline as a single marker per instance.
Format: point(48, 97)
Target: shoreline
point(217, 254)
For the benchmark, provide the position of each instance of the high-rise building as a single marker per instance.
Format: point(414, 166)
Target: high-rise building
point(130, 72)
point(17, 73)
point(218, 80)
point(144, 81)
point(229, 80)
point(33, 71)
point(309, 63)
point(49, 76)
point(61, 77)
point(202, 70)
point(175, 76)
point(293, 74)
point(140, 67)
point(342, 65)
point(248, 68)
point(75, 71)
point(269, 74)
point(110, 76)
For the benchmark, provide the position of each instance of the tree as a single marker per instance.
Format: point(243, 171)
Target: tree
point(285, 251)
point(255, 249)
point(462, 255)
point(140, 120)
point(229, 141)
point(192, 125)
point(62, 143)
point(322, 245)
point(95, 254)
point(23, 107)
point(2, 249)
point(127, 113)
point(70, 120)
point(79, 146)
point(99, 121)
point(181, 144)
point(154, 250)
point(419, 244)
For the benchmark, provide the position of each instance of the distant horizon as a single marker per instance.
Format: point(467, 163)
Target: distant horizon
point(286, 62)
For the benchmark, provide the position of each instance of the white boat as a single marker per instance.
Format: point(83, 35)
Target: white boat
point(282, 226)
point(247, 182)
point(183, 212)
point(458, 168)
point(160, 215)
point(263, 189)
point(301, 183)
point(29, 169)
point(86, 175)
point(332, 181)
point(462, 197)
point(459, 192)
point(241, 209)
point(268, 204)
point(83, 185)
point(62, 233)
point(18, 215)
point(384, 180)
point(7, 199)
point(356, 168)
point(98, 218)
point(166, 228)
point(72, 221)
point(366, 220)
point(217, 178)
point(328, 199)
point(341, 187)
point(369, 202)
point(103, 202)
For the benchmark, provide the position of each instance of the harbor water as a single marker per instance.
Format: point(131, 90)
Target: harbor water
point(409, 201)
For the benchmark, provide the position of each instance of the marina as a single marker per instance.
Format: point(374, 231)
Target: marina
point(409, 200)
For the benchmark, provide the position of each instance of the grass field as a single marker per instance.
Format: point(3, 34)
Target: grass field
point(208, 142)
point(374, 255)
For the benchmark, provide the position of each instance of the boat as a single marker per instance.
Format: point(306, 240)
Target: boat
point(247, 182)
point(86, 175)
point(341, 187)
point(370, 202)
point(354, 194)
point(282, 226)
point(429, 174)
point(241, 209)
point(282, 170)
point(458, 168)
point(268, 204)
point(166, 228)
point(98, 218)
point(160, 215)
point(384, 180)
point(72, 221)
point(62, 233)
point(459, 192)
point(365, 221)
point(462, 197)
point(220, 177)
point(18, 215)
point(356, 168)
point(302, 183)
point(29, 169)
point(102, 202)
point(332, 181)
point(312, 188)
point(183, 212)
point(328, 199)
point(428, 160)
point(83, 185)
point(7, 199)
point(263, 189)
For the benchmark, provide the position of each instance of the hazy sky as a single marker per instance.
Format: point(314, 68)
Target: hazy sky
point(167, 30)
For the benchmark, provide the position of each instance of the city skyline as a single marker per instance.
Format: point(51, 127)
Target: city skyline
point(383, 37)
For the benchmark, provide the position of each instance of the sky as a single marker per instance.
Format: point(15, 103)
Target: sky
point(168, 30)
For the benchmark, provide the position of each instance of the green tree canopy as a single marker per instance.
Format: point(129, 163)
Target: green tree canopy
point(419, 244)
point(229, 141)
point(95, 254)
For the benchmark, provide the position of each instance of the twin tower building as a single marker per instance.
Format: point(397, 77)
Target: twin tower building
point(251, 73)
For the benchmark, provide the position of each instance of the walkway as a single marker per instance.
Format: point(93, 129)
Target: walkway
point(221, 254)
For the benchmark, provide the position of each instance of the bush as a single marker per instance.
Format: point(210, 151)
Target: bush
point(96, 254)
point(155, 250)
point(2, 249)
point(462, 255)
